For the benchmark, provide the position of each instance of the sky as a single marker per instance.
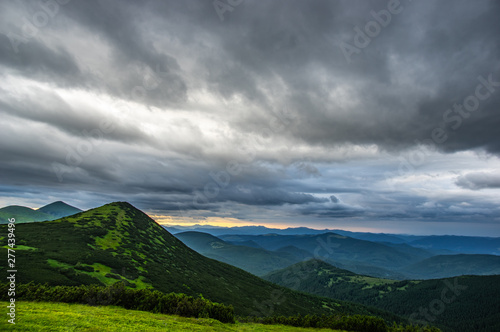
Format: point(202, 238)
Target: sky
point(378, 116)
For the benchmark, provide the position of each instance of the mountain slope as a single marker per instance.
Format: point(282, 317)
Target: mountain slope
point(320, 278)
point(22, 214)
point(437, 244)
point(254, 260)
point(457, 304)
point(444, 266)
point(460, 244)
point(338, 248)
point(201, 242)
point(59, 209)
point(118, 242)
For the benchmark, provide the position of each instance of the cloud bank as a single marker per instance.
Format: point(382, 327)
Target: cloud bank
point(323, 114)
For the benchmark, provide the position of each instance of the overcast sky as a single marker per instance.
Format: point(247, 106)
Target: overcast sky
point(363, 115)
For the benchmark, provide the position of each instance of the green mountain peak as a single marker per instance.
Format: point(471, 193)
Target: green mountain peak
point(117, 242)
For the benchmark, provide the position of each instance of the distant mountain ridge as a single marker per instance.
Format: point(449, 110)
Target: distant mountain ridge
point(255, 260)
point(459, 244)
point(439, 244)
point(59, 209)
point(261, 254)
point(117, 242)
point(441, 266)
point(360, 256)
point(24, 214)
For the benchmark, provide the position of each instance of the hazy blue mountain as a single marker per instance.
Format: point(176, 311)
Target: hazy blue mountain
point(59, 209)
point(261, 262)
point(375, 237)
point(257, 261)
point(243, 230)
point(416, 252)
point(460, 244)
point(262, 230)
point(444, 266)
point(299, 253)
point(250, 243)
point(338, 248)
point(369, 270)
point(397, 261)
point(201, 241)
point(24, 214)
point(434, 244)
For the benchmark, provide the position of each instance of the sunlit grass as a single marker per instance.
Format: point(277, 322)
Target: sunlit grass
point(41, 316)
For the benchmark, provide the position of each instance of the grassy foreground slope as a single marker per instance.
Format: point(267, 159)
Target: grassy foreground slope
point(117, 242)
point(40, 316)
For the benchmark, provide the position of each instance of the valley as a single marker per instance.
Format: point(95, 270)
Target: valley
point(261, 275)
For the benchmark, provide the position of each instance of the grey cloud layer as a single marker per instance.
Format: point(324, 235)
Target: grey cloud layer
point(270, 88)
point(479, 180)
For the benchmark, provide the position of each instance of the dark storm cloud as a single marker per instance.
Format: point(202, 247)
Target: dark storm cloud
point(336, 211)
point(269, 87)
point(137, 71)
point(479, 180)
point(269, 196)
point(426, 59)
point(439, 56)
point(125, 28)
point(48, 108)
point(39, 61)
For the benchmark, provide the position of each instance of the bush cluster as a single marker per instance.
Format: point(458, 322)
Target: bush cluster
point(117, 294)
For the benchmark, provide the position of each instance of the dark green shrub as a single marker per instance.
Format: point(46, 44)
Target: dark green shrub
point(117, 294)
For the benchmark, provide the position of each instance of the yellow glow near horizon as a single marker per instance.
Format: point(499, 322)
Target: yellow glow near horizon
point(233, 222)
point(211, 221)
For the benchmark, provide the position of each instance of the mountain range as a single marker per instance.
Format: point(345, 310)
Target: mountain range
point(117, 242)
point(454, 304)
point(252, 259)
point(260, 254)
point(316, 273)
point(442, 244)
point(24, 214)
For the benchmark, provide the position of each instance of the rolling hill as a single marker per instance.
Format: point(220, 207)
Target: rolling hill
point(337, 247)
point(360, 256)
point(59, 209)
point(458, 304)
point(257, 261)
point(318, 277)
point(399, 261)
point(117, 242)
point(436, 244)
point(459, 244)
point(443, 266)
point(24, 214)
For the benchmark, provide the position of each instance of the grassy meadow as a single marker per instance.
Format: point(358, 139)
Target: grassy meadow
point(44, 316)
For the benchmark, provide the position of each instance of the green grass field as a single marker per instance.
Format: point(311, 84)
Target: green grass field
point(42, 316)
